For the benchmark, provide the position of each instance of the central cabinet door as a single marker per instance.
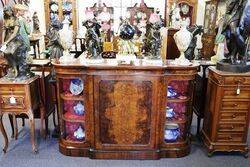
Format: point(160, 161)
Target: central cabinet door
point(126, 112)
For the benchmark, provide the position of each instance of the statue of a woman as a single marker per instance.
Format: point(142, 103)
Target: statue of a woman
point(55, 45)
point(16, 43)
point(36, 22)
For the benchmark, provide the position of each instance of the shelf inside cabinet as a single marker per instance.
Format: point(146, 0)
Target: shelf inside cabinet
point(68, 116)
point(176, 121)
point(67, 96)
point(176, 100)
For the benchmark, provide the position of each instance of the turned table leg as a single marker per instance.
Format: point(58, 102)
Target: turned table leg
point(32, 133)
point(4, 134)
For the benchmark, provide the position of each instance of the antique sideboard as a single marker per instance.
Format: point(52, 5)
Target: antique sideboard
point(125, 112)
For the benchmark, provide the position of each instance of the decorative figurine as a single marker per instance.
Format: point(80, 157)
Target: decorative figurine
point(183, 39)
point(126, 34)
point(236, 31)
point(66, 36)
point(195, 30)
point(175, 17)
point(55, 45)
point(153, 41)
point(93, 41)
point(16, 43)
point(220, 43)
point(36, 22)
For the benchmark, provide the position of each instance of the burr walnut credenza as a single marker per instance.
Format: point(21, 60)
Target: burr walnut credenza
point(125, 111)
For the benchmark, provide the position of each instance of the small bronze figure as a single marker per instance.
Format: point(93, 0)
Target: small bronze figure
point(93, 42)
point(16, 44)
point(153, 41)
point(195, 30)
point(36, 22)
point(55, 45)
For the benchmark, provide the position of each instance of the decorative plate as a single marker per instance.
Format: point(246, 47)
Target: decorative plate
point(54, 7)
point(76, 86)
point(79, 134)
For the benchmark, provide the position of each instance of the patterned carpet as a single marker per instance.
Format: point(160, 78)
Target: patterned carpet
point(20, 155)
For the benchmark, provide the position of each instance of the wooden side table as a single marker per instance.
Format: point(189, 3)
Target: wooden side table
point(20, 98)
point(34, 42)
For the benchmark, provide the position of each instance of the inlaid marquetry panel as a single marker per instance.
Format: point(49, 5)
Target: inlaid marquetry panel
point(124, 111)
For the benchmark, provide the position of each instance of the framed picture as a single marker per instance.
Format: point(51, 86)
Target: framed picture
point(210, 17)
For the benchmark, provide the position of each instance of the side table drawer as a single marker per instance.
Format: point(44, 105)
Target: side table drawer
point(15, 90)
point(230, 137)
point(12, 102)
point(233, 116)
point(232, 93)
point(242, 105)
point(230, 127)
point(237, 80)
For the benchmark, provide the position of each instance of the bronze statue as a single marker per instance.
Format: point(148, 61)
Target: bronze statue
point(16, 44)
point(153, 40)
point(55, 45)
point(36, 26)
point(195, 30)
point(232, 29)
point(92, 42)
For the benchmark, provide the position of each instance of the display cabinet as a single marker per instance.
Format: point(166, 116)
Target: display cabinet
point(125, 112)
point(60, 10)
point(178, 114)
point(72, 99)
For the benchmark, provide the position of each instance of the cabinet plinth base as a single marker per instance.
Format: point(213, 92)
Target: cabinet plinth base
point(143, 154)
point(223, 147)
point(175, 153)
point(73, 151)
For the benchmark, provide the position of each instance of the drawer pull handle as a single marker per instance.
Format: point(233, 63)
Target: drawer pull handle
point(232, 127)
point(230, 138)
point(235, 105)
point(234, 116)
point(238, 90)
